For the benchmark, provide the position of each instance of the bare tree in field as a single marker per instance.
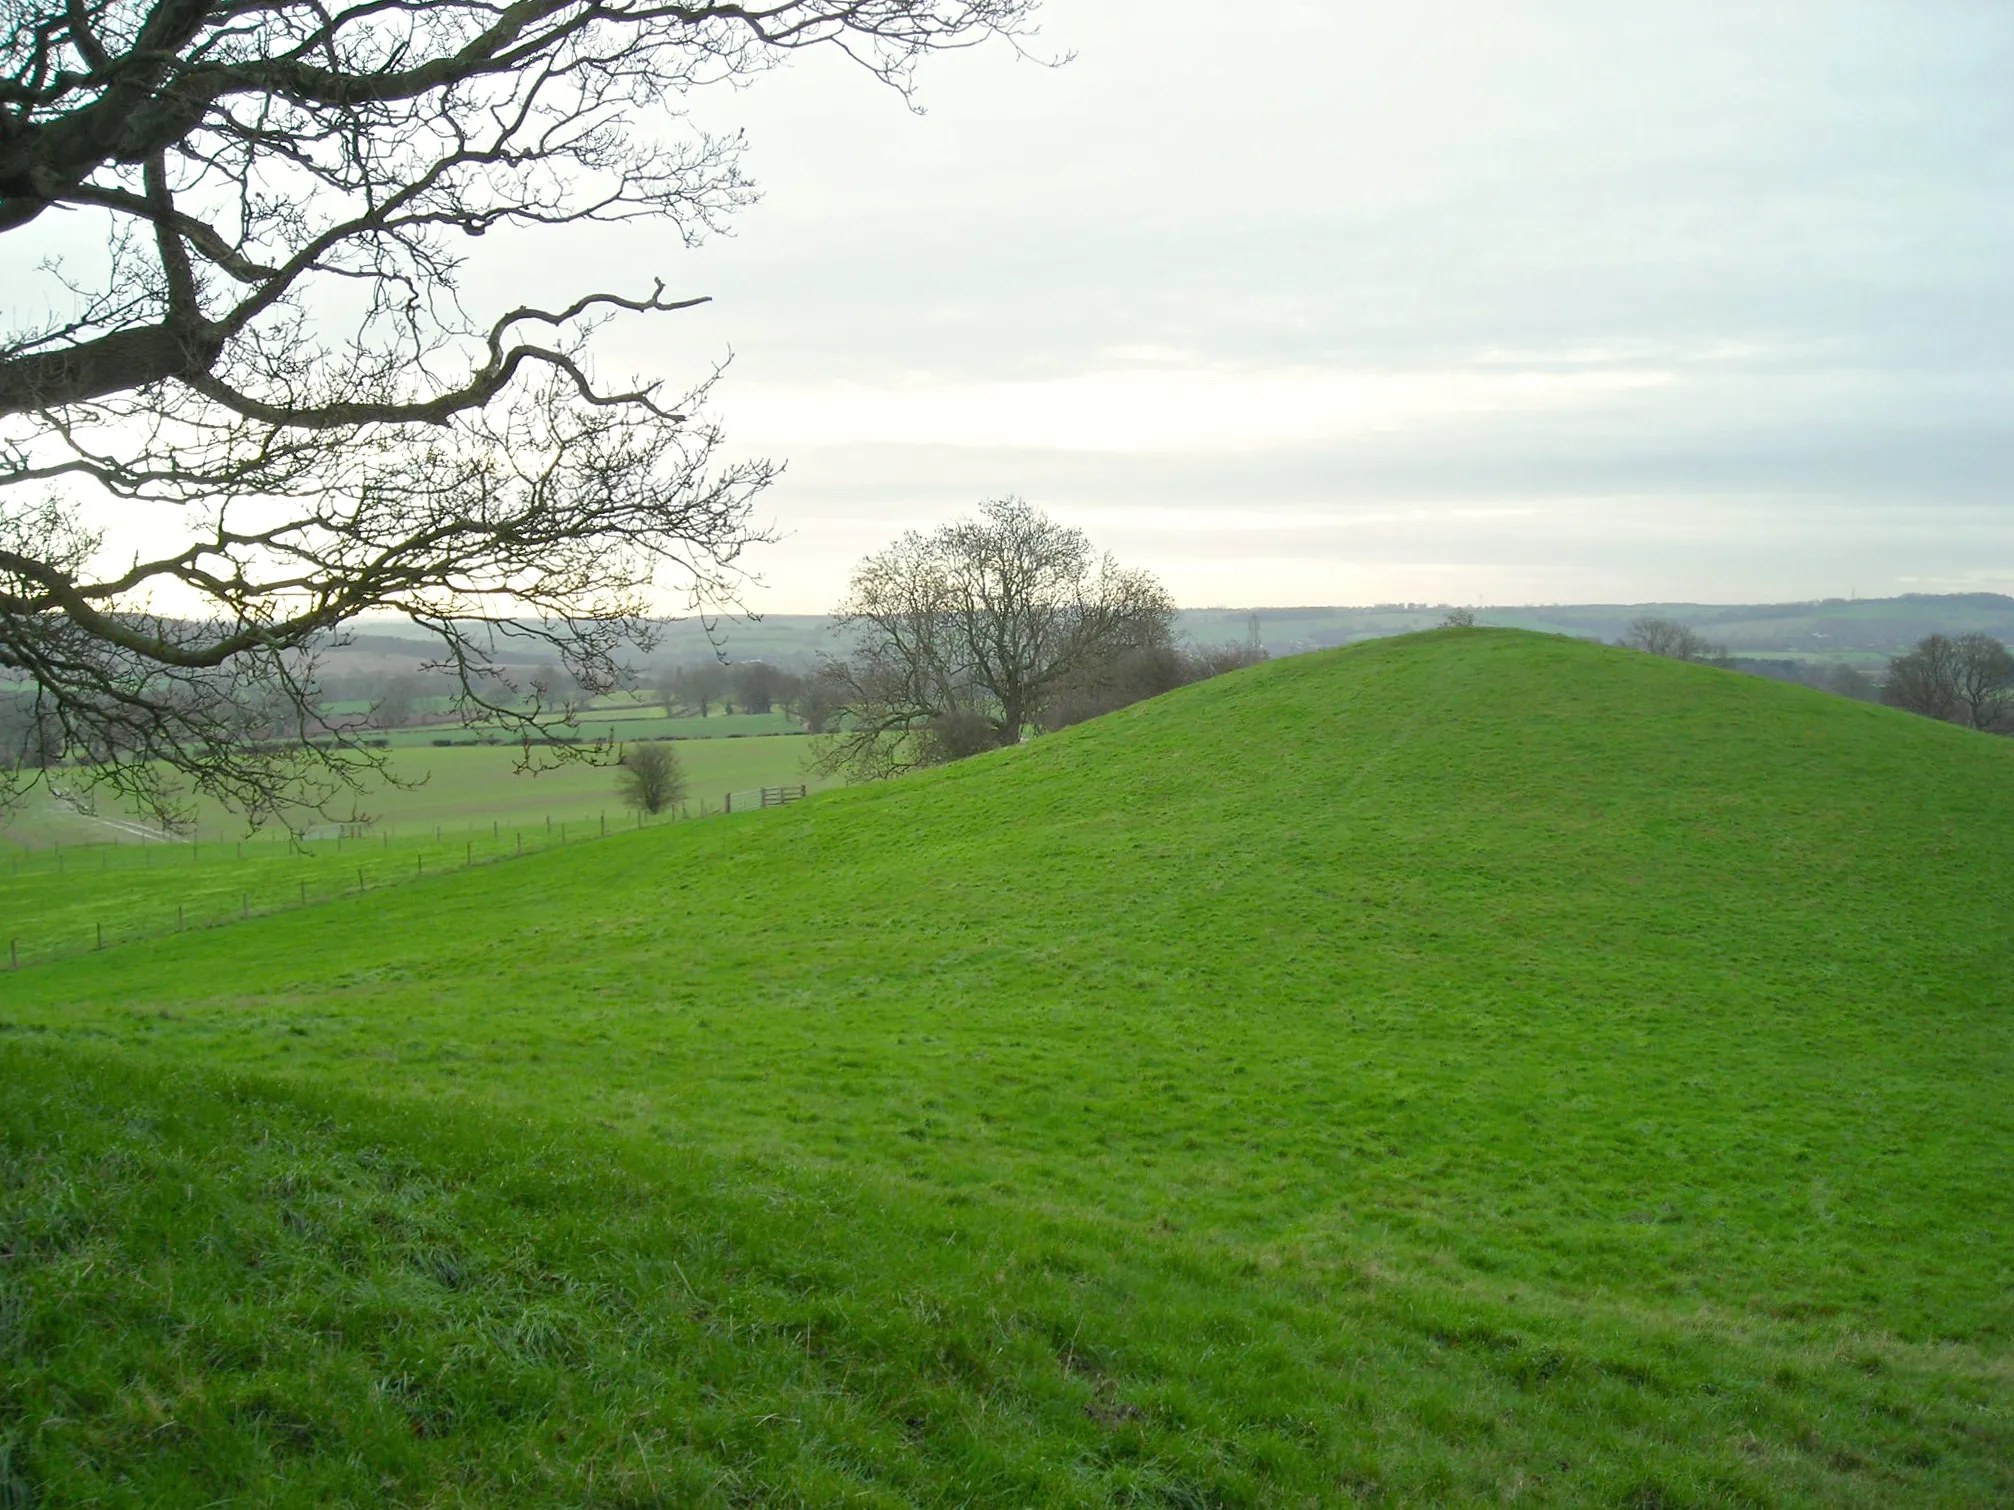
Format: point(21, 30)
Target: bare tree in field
point(650, 776)
point(1668, 637)
point(269, 365)
point(699, 686)
point(395, 703)
point(962, 636)
point(1966, 680)
point(1925, 681)
point(759, 686)
point(1985, 681)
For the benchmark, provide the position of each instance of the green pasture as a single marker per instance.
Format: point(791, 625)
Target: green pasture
point(619, 723)
point(464, 806)
point(60, 902)
point(1470, 1068)
point(480, 784)
point(458, 787)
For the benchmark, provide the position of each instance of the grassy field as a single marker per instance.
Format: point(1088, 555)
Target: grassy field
point(619, 723)
point(467, 807)
point(1469, 1068)
point(460, 787)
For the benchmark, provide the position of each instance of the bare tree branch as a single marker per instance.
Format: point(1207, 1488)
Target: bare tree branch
point(275, 361)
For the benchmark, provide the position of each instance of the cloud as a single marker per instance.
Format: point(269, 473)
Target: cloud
point(1175, 412)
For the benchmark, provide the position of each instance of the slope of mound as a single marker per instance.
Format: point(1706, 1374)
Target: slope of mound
point(1470, 1065)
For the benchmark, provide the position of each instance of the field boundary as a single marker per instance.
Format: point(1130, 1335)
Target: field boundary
point(370, 861)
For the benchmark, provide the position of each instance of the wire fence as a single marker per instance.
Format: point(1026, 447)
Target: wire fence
point(120, 892)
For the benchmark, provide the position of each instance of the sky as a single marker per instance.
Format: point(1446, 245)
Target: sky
point(1324, 301)
point(1339, 302)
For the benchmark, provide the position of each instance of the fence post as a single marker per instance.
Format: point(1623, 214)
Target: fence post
point(178, 917)
point(419, 865)
point(13, 954)
point(304, 893)
point(101, 935)
point(360, 880)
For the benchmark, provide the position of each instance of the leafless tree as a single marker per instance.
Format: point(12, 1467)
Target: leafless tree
point(699, 686)
point(962, 636)
point(1925, 681)
point(759, 686)
point(268, 363)
point(814, 699)
point(1668, 637)
point(1139, 673)
point(1985, 681)
point(1966, 680)
point(396, 703)
point(651, 776)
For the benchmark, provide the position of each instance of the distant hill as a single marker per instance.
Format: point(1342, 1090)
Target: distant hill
point(1476, 1067)
point(1860, 631)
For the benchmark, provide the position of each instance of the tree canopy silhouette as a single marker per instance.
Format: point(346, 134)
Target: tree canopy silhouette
point(269, 380)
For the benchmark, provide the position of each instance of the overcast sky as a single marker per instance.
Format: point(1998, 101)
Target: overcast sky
point(1321, 301)
point(1342, 302)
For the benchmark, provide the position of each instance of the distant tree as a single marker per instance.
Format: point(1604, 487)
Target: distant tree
point(650, 776)
point(1215, 660)
point(31, 737)
point(977, 624)
point(670, 692)
point(1458, 618)
point(1134, 675)
point(1668, 637)
point(396, 703)
point(701, 685)
point(1849, 682)
point(758, 686)
point(814, 699)
point(1142, 672)
point(1925, 681)
point(1985, 681)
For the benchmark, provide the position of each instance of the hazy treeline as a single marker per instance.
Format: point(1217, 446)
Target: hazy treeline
point(1965, 679)
point(1681, 642)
